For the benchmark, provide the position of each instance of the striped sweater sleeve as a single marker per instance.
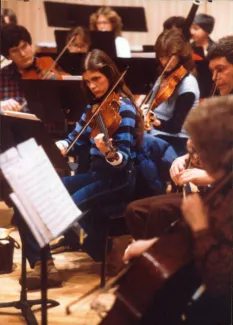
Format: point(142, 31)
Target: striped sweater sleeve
point(123, 138)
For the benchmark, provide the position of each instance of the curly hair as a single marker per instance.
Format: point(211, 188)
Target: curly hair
point(210, 126)
point(172, 41)
point(223, 48)
point(97, 60)
point(111, 15)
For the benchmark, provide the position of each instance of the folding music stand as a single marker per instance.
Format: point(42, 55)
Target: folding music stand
point(70, 15)
point(54, 100)
point(42, 227)
point(14, 131)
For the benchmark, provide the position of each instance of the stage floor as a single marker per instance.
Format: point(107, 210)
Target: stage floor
point(79, 274)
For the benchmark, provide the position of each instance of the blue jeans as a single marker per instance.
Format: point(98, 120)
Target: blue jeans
point(92, 192)
point(154, 160)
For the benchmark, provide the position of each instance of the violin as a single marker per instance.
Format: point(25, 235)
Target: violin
point(41, 69)
point(107, 116)
point(104, 118)
point(164, 91)
point(169, 85)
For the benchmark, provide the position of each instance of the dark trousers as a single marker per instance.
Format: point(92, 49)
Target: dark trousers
point(151, 217)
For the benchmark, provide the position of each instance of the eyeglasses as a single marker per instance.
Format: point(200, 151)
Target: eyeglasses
point(103, 23)
point(16, 51)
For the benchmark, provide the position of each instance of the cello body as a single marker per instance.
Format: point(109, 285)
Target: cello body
point(158, 285)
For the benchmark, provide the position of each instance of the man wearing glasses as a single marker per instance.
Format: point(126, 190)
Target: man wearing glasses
point(16, 45)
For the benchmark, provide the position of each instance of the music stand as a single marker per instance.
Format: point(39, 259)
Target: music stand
point(69, 15)
point(14, 131)
point(141, 73)
point(104, 41)
point(204, 78)
point(54, 100)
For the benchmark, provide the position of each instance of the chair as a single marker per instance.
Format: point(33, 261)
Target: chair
point(152, 173)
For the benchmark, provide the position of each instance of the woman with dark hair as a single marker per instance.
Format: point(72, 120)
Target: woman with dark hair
point(110, 179)
point(106, 19)
point(171, 112)
point(81, 42)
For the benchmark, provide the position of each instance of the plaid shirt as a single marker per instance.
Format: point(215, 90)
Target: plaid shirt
point(9, 86)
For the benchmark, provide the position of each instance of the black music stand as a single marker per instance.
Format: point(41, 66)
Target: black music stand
point(54, 100)
point(141, 74)
point(14, 131)
point(70, 15)
point(104, 41)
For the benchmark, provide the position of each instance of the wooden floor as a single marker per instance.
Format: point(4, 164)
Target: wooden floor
point(79, 274)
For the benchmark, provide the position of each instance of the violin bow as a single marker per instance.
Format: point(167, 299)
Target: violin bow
point(156, 86)
point(52, 65)
point(96, 112)
point(58, 57)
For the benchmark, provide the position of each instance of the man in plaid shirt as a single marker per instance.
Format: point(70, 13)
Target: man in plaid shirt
point(16, 45)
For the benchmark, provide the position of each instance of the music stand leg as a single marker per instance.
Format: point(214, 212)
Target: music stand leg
point(24, 304)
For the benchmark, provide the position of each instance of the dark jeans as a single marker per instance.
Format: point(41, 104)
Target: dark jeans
point(92, 192)
point(178, 144)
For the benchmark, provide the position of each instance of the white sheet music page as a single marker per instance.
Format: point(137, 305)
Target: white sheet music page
point(39, 193)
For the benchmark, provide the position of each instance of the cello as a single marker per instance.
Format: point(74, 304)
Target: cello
point(156, 287)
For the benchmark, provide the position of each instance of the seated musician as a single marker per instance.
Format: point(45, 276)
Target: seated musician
point(106, 19)
point(162, 210)
point(16, 45)
point(200, 30)
point(81, 43)
point(220, 59)
point(210, 127)
point(172, 109)
point(155, 214)
point(111, 178)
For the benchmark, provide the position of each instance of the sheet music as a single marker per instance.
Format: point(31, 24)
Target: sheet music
point(39, 193)
point(22, 115)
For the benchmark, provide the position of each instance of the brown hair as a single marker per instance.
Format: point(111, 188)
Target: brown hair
point(172, 41)
point(210, 126)
point(223, 48)
point(111, 15)
point(97, 60)
point(79, 31)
